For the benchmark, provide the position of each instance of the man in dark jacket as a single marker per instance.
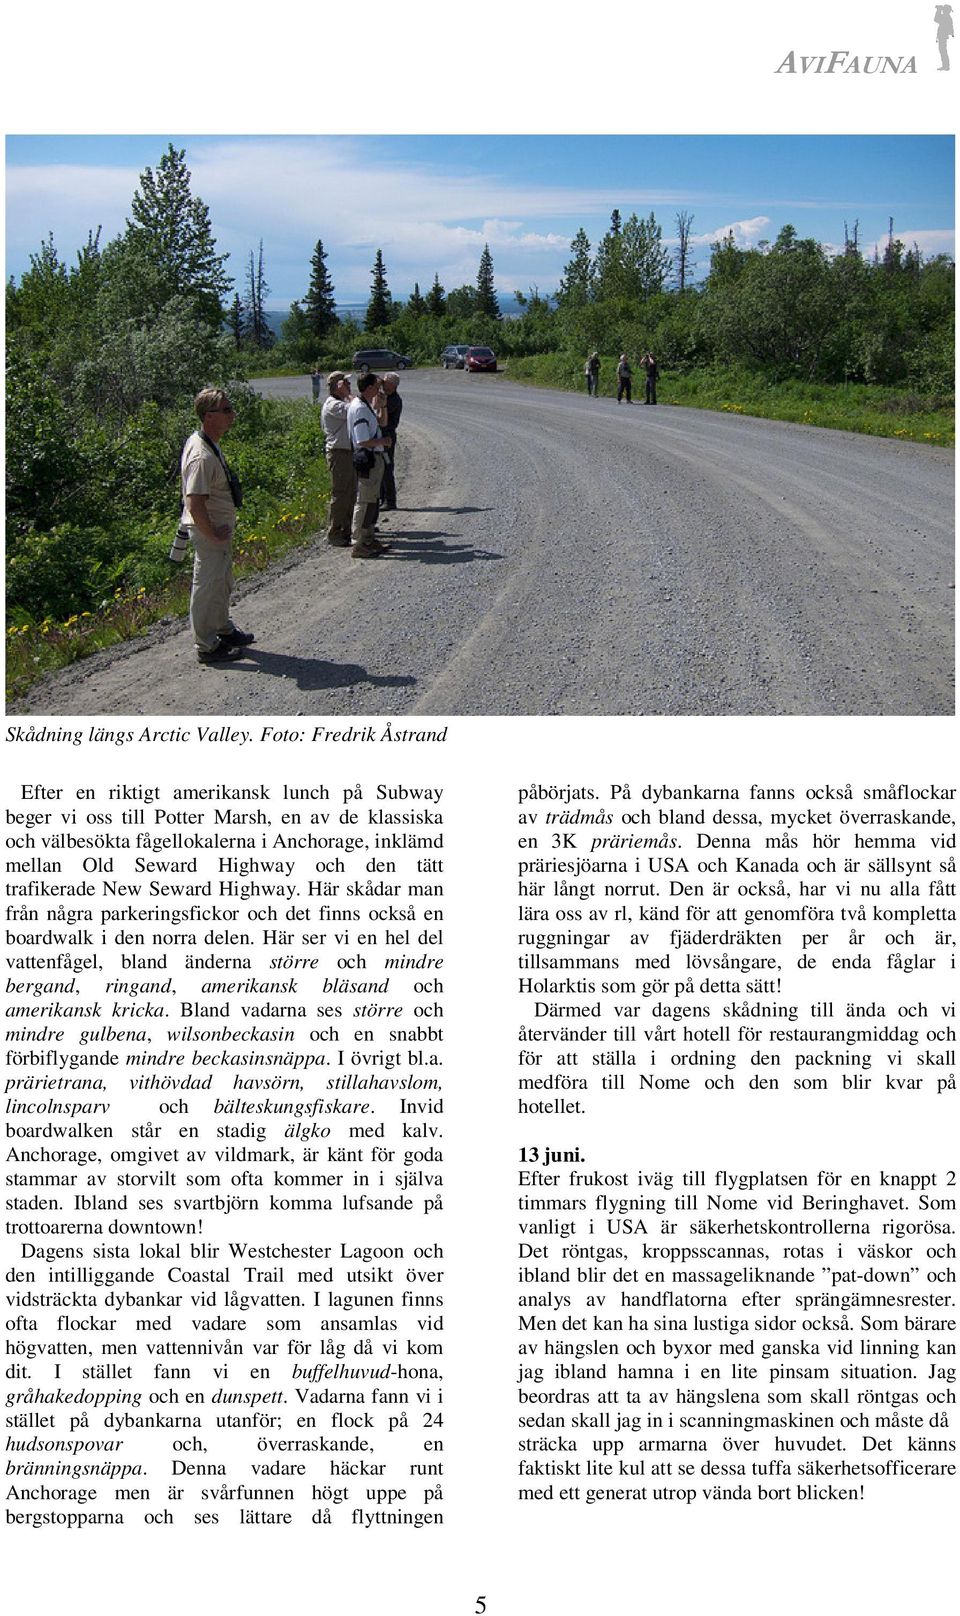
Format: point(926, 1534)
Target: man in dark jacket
point(388, 488)
point(653, 370)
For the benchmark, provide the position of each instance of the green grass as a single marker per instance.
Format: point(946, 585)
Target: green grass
point(884, 412)
point(76, 588)
point(35, 648)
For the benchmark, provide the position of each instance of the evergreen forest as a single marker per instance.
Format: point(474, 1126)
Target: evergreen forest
point(105, 354)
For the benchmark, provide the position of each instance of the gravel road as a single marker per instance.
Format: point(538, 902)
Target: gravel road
point(556, 554)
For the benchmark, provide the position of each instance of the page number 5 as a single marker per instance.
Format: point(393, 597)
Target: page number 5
point(480, 1605)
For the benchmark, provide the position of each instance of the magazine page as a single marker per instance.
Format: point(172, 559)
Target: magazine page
point(480, 813)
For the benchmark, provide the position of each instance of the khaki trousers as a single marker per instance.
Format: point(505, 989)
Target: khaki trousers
point(368, 496)
point(343, 492)
point(212, 588)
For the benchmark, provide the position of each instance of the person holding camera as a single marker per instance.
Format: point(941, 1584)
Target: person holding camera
point(394, 410)
point(653, 372)
point(368, 441)
point(211, 497)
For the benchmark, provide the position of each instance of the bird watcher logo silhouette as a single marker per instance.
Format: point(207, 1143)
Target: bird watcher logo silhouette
point(837, 63)
point(943, 17)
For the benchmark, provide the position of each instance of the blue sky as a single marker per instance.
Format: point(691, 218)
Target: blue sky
point(430, 202)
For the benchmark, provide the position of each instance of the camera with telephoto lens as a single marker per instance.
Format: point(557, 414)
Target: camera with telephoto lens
point(180, 545)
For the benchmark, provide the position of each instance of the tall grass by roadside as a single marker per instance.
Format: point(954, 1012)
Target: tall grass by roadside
point(884, 412)
point(102, 602)
point(36, 648)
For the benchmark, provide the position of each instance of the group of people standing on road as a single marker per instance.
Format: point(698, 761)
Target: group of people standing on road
point(361, 436)
point(361, 440)
point(648, 364)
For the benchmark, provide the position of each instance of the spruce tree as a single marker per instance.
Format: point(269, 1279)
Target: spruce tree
point(436, 299)
point(608, 267)
point(486, 287)
point(577, 279)
point(318, 305)
point(416, 303)
point(379, 307)
point(236, 321)
point(170, 234)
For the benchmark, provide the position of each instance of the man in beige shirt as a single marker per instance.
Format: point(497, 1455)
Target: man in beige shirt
point(210, 498)
point(339, 453)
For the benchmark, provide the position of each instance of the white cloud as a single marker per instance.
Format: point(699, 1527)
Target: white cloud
point(362, 192)
point(431, 241)
point(746, 232)
point(350, 192)
point(292, 190)
point(67, 200)
point(930, 242)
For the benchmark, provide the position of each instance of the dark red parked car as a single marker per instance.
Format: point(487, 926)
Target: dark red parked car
point(479, 359)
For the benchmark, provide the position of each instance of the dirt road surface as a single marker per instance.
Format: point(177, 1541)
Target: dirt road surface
point(557, 554)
